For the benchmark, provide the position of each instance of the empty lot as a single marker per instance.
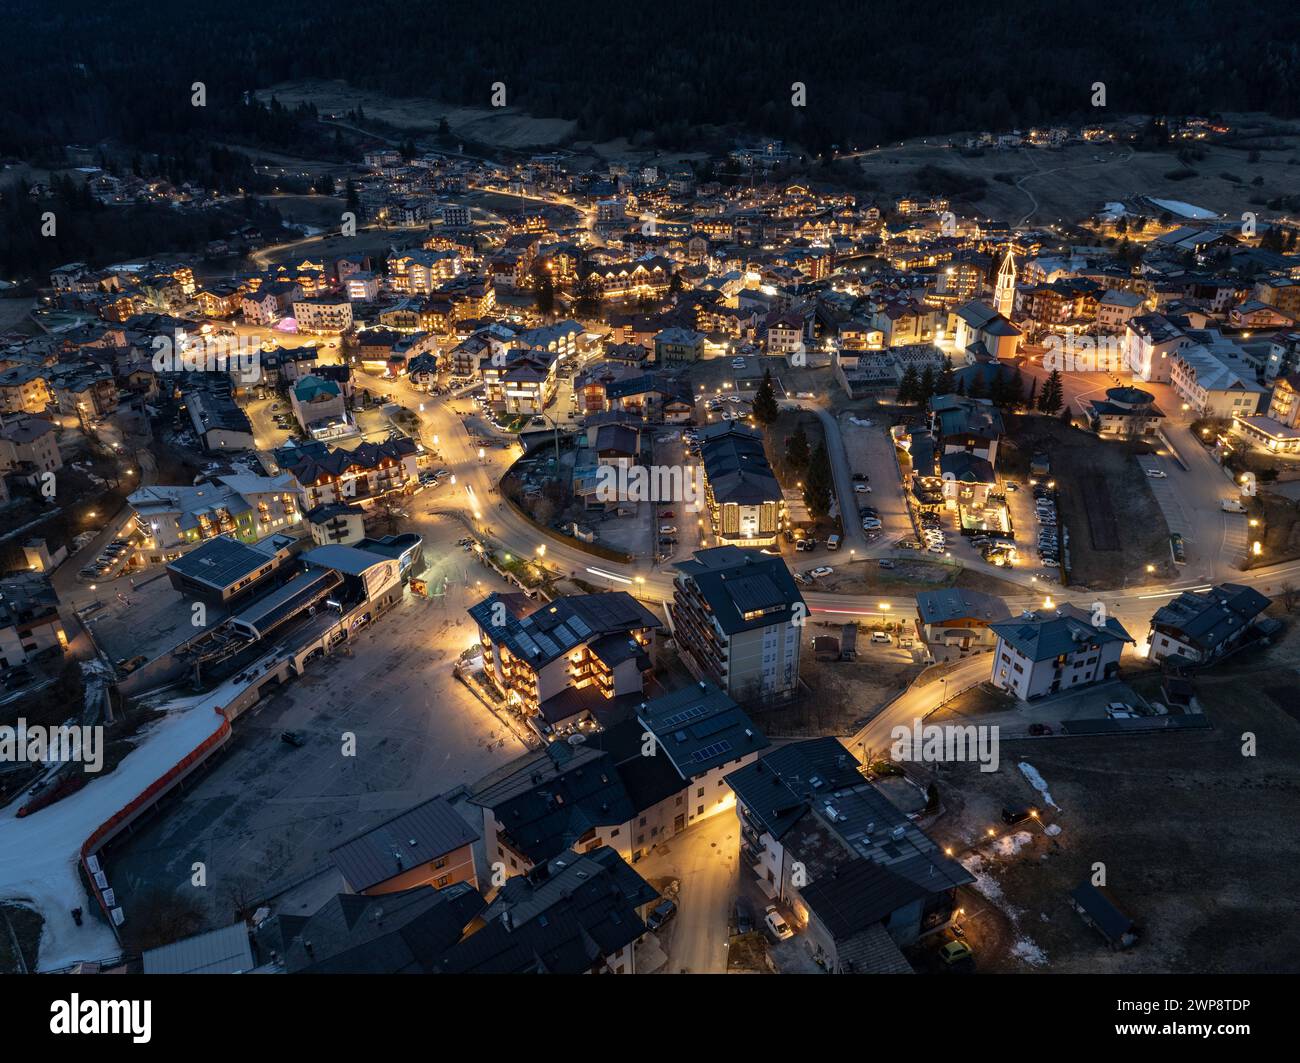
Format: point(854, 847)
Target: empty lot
point(1195, 839)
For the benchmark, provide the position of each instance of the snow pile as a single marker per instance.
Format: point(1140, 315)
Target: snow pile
point(985, 883)
point(1037, 782)
point(1185, 210)
point(1027, 952)
point(39, 854)
point(860, 423)
point(1052, 829)
point(1011, 844)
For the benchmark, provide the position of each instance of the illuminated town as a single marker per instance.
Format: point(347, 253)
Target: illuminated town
point(438, 547)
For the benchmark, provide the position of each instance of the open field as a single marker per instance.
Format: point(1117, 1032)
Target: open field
point(1064, 184)
point(906, 578)
point(1190, 832)
point(502, 127)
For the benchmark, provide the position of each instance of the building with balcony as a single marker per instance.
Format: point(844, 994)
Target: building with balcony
point(581, 657)
point(246, 507)
point(430, 844)
point(323, 313)
point(360, 476)
point(1038, 654)
point(1198, 627)
point(29, 618)
point(737, 617)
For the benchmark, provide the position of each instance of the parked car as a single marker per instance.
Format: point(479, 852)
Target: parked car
point(1157, 474)
point(293, 738)
point(129, 664)
point(862, 489)
point(880, 638)
point(668, 529)
point(805, 544)
point(744, 918)
point(777, 924)
point(861, 476)
point(956, 952)
point(887, 562)
point(667, 514)
point(660, 914)
point(820, 571)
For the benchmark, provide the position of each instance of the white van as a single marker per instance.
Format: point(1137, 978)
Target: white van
point(1232, 505)
point(880, 636)
point(833, 542)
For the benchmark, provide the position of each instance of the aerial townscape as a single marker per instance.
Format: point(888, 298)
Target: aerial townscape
point(455, 533)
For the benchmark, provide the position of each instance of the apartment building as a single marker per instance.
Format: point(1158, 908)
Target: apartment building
point(29, 444)
point(861, 879)
point(1200, 626)
point(323, 313)
point(245, 506)
point(629, 787)
point(522, 382)
point(1149, 342)
point(325, 474)
point(579, 657)
point(958, 620)
point(29, 619)
point(1214, 379)
point(1045, 653)
point(737, 616)
point(1278, 430)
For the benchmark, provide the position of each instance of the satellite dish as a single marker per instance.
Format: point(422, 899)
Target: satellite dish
point(577, 739)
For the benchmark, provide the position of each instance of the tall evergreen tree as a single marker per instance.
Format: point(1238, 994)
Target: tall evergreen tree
point(947, 382)
point(798, 451)
point(819, 484)
point(1052, 396)
point(909, 386)
point(925, 391)
point(766, 410)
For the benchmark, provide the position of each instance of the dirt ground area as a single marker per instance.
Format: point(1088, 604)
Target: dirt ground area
point(906, 578)
point(504, 127)
point(1189, 832)
point(839, 695)
point(1099, 482)
point(1071, 182)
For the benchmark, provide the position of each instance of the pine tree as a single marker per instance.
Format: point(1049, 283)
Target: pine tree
point(1030, 402)
point(819, 484)
point(909, 386)
point(946, 383)
point(1017, 389)
point(766, 410)
point(798, 452)
point(925, 391)
point(1053, 396)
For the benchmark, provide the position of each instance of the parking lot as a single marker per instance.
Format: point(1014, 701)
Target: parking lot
point(267, 813)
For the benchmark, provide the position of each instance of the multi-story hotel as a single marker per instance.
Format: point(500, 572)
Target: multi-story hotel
point(566, 660)
point(745, 500)
point(245, 506)
point(737, 617)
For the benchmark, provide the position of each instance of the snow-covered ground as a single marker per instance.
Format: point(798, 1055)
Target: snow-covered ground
point(39, 854)
point(1185, 210)
point(1037, 782)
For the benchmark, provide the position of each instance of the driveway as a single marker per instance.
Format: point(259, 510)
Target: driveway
point(706, 861)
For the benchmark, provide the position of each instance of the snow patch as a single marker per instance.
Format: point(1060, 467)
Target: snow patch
point(1037, 782)
point(1011, 844)
point(1185, 210)
point(1027, 952)
point(1053, 829)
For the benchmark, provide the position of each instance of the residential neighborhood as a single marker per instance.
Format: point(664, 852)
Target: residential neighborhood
point(454, 538)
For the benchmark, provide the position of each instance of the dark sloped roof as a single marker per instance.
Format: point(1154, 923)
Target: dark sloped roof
point(1041, 638)
point(394, 933)
point(419, 835)
point(860, 894)
point(1207, 618)
point(563, 918)
point(736, 581)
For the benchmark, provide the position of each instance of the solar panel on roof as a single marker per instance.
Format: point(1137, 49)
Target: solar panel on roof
point(529, 646)
point(711, 751)
point(548, 647)
point(579, 625)
point(694, 712)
